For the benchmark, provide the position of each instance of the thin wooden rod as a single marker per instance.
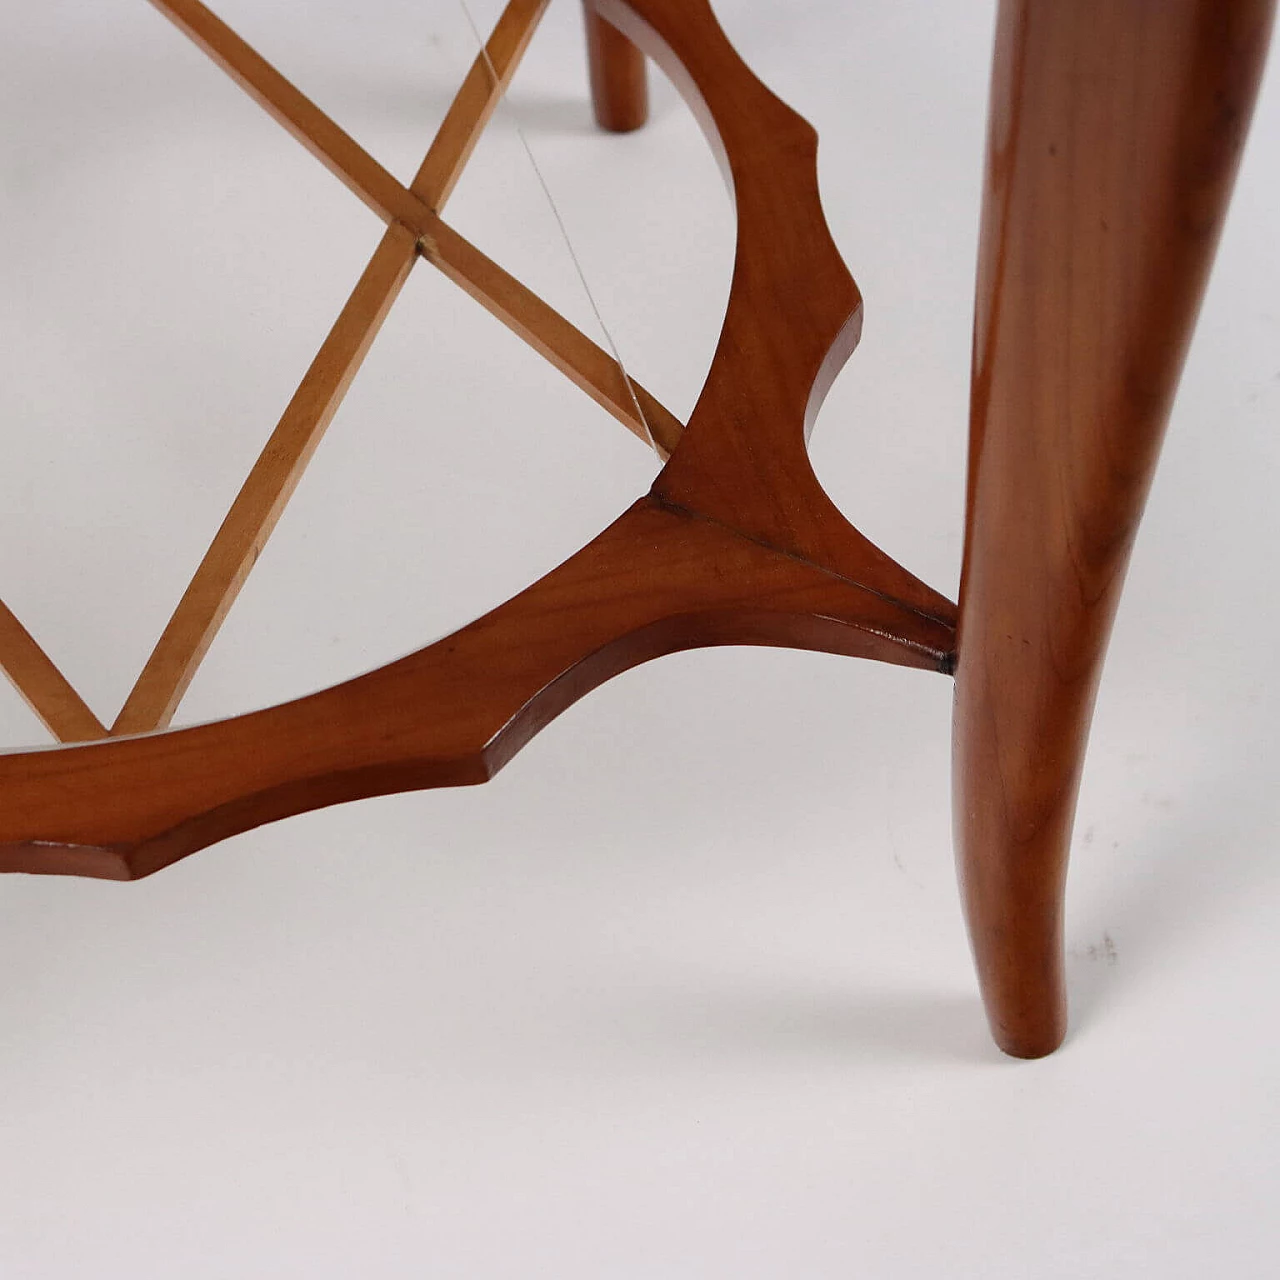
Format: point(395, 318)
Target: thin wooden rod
point(177, 655)
point(585, 363)
point(476, 101)
point(258, 506)
point(548, 332)
point(1114, 134)
point(341, 153)
point(42, 686)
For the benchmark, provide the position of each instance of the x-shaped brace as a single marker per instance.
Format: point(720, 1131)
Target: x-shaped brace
point(736, 543)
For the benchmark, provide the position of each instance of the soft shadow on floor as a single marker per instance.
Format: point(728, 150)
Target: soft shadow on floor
point(861, 1027)
point(1198, 866)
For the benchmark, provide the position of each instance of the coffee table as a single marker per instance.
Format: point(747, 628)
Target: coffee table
point(1114, 135)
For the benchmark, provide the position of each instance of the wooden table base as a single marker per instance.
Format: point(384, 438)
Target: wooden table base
point(1115, 130)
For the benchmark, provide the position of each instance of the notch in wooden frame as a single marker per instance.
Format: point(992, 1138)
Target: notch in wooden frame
point(736, 542)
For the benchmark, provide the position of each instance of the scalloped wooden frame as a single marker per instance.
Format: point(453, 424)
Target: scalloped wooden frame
point(1114, 137)
point(736, 543)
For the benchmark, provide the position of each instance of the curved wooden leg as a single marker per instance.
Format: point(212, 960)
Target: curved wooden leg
point(619, 82)
point(1115, 130)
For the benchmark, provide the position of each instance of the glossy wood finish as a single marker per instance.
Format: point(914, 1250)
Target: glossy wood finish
point(619, 77)
point(657, 581)
point(177, 656)
point(417, 230)
point(417, 206)
point(794, 314)
point(1115, 130)
point(261, 501)
point(735, 544)
point(181, 648)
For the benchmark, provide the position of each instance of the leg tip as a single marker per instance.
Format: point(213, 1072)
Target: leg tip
point(1031, 1038)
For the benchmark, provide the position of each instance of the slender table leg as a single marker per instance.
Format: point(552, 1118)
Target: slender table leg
point(619, 85)
point(1114, 135)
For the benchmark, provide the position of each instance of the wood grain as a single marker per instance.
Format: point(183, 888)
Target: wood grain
point(1115, 131)
point(584, 362)
point(476, 101)
point(261, 501)
point(619, 77)
point(1116, 127)
point(416, 207)
point(793, 318)
point(735, 544)
point(340, 153)
point(42, 686)
point(168, 672)
point(655, 582)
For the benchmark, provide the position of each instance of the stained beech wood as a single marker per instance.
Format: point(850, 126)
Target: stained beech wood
point(204, 606)
point(476, 101)
point(261, 501)
point(793, 318)
point(316, 131)
point(584, 362)
point(1116, 126)
point(164, 680)
point(525, 313)
point(655, 582)
point(619, 77)
point(42, 686)
point(736, 543)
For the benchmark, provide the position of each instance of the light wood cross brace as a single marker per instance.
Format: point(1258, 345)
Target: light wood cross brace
point(415, 229)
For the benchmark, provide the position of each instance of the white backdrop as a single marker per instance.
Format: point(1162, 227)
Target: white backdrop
point(685, 991)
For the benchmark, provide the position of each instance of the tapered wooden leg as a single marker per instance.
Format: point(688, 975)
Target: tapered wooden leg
point(619, 82)
point(1115, 130)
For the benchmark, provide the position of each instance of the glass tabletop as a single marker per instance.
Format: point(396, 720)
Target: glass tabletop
point(173, 263)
